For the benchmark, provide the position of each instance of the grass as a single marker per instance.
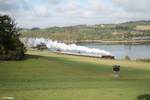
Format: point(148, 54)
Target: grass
point(48, 76)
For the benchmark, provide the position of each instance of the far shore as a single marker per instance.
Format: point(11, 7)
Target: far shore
point(134, 42)
point(107, 42)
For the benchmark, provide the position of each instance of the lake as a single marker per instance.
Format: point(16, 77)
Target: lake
point(120, 51)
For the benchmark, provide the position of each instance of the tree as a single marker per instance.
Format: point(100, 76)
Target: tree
point(11, 47)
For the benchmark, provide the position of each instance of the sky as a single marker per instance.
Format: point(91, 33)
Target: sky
point(47, 13)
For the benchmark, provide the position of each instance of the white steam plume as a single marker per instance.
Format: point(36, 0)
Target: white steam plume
point(54, 45)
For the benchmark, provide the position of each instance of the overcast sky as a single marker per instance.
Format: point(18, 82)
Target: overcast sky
point(46, 13)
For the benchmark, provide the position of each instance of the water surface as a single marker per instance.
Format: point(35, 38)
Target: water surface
point(120, 51)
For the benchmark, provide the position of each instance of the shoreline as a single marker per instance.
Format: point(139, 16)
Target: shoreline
point(106, 42)
point(109, 42)
point(104, 57)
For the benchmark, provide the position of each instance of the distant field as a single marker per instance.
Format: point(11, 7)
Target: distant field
point(48, 76)
point(143, 27)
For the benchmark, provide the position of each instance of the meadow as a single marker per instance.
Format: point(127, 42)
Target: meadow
point(48, 76)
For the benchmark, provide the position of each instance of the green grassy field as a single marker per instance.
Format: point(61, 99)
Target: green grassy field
point(48, 76)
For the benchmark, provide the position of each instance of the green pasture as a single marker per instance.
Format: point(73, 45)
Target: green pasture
point(48, 76)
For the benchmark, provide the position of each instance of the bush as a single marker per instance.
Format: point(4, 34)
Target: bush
point(11, 47)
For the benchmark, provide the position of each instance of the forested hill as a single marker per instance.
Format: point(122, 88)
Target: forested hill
point(124, 31)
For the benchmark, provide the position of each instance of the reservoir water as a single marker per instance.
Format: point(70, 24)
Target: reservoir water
point(120, 51)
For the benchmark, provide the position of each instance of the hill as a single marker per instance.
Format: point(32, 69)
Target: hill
point(140, 22)
point(113, 32)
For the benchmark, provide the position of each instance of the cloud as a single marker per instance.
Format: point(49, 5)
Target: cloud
point(41, 10)
point(7, 6)
point(45, 13)
point(133, 9)
point(133, 5)
point(90, 8)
